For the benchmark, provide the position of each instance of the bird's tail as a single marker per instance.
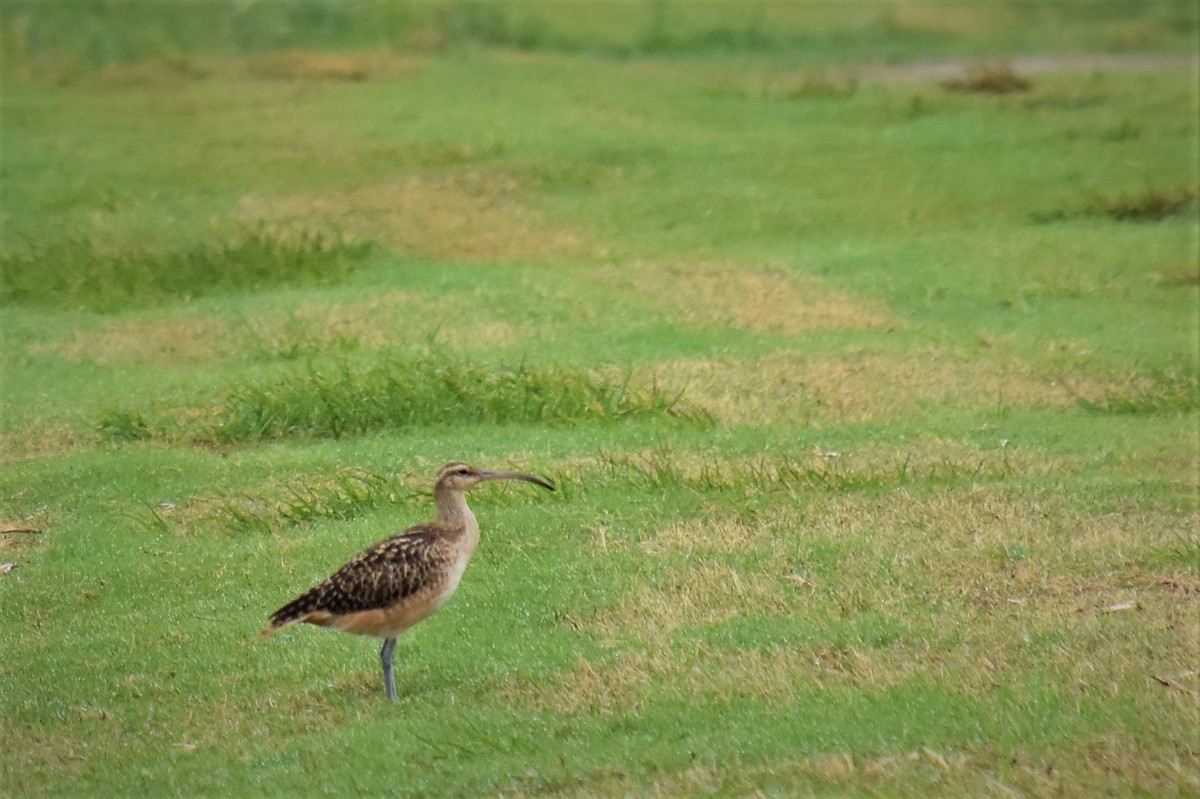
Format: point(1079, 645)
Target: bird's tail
point(294, 612)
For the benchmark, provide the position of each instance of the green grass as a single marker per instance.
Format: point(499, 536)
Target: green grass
point(870, 395)
point(75, 37)
point(80, 274)
point(338, 400)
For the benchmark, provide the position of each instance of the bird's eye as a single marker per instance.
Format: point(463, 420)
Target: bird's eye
point(463, 472)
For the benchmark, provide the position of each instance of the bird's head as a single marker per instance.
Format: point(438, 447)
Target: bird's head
point(458, 476)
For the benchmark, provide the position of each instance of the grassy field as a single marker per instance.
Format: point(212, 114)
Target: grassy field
point(870, 386)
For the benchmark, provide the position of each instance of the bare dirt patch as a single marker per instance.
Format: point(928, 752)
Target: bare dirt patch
point(474, 217)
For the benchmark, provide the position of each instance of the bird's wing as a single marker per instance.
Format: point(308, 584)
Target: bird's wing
point(388, 572)
point(376, 578)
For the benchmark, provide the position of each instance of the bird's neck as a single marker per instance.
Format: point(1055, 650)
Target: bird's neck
point(453, 513)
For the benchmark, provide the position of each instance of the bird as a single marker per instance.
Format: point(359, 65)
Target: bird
point(403, 579)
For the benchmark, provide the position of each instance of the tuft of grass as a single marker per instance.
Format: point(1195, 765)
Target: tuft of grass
point(340, 401)
point(989, 79)
point(1152, 204)
point(80, 273)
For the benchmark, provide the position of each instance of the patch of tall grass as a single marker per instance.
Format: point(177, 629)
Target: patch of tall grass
point(989, 79)
point(341, 400)
point(80, 273)
point(1151, 204)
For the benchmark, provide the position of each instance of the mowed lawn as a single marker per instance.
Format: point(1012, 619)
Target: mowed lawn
point(862, 348)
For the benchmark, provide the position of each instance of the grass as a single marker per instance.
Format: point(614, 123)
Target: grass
point(337, 401)
point(67, 39)
point(81, 273)
point(1169, 392)
point(345, 494)
point(992, 79)
point(871, 401)
point(1150, 205)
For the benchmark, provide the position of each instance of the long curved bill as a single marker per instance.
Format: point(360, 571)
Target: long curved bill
point(528, 478)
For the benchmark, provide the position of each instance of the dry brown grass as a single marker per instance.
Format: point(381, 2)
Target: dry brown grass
point(158, 70)
point(711, 534)
point(1018, 578)
point(174, 341)
point(627, 680)
point(1109, 765)
point(792, 387)
point(476, 216)
point(40, 439)
point(31, 752)
point(388, 320)
point(704, 592)
point(744, 297)
point(942, 18)
point(281, 65)
point(308, 65)
point(1096, 650)
point(392, 319)
point(988, 544)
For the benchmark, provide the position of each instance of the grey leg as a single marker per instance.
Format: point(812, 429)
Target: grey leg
point(385, 655)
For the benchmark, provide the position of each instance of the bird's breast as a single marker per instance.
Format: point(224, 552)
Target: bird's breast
point(453, 577)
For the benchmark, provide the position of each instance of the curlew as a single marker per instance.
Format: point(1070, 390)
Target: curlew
point(403, 579)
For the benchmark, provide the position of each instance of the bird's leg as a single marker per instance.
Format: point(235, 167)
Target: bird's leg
point(385, 655)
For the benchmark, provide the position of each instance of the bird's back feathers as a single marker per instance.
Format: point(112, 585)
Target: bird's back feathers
point(377, 578)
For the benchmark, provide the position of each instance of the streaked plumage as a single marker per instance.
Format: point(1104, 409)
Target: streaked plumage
point(403, 579)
